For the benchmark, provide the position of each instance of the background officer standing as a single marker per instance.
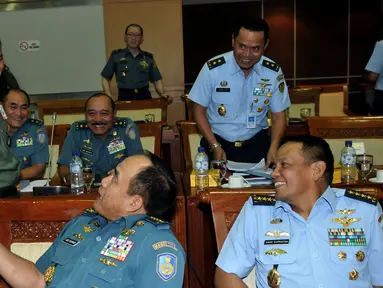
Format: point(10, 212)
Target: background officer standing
point(119, 243)
point(29, 141)
point(133, 68)
point(7, 80)
point(102, 140)
point(232, 95)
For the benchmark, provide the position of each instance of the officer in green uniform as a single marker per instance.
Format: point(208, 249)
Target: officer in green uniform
point(7, 79)
point(133, 68)
point(120, 243)
point(103, 140)
point(9, 163)
point(28, 138)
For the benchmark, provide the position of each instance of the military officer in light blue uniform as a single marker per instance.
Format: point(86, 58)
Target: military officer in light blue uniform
point(28, 138)
point(102, 140)
point(375, 76)
point(120, 243)
point(232, 96)
point(309, 235)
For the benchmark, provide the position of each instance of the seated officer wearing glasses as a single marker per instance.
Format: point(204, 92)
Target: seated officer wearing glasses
point(232, 95)
point(133, 68)
point(309, 234)
point(103, 140)
point(120, 243)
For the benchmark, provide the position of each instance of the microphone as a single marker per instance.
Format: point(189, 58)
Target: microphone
point(47, 190)
point(50, 154)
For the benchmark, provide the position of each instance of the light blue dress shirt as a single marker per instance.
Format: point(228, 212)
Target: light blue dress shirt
point(375, 64)
point(226, 85)
point(309, 259)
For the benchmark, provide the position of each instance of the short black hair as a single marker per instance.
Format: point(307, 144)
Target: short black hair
point(315, 149)
point(101, 95)
point(157, 185)
point(253, 24)
point(134, 25)
point(18, 91)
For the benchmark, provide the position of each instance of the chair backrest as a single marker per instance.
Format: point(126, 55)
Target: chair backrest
point(190, 142)
point(335, 130)
point(68, 111)
point(189, 107)
point(304, 98)
point(59, 136)
point(151, 136)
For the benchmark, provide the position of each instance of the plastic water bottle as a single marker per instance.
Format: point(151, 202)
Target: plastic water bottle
point(348, 161)
point(76, 176)
point(201, 170)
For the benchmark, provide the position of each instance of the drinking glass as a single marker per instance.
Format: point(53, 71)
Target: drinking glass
point(305, 112)
point(218, 171)
point(365, 165)
point(88, 174)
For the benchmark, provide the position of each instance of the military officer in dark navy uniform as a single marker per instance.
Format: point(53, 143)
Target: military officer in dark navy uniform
point(103, 140)
point(28, 137)
point(232, 96)
point(121, 242)
point(134, 69)
point(7, 79)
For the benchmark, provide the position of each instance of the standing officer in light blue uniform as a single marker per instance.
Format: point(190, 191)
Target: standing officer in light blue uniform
point(28, 138)
point(375, 77)
point(102, 140)
point(232, 96)
point(120, 243)
point(309, 235)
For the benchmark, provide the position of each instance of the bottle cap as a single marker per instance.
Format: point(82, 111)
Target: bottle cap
point(201, 149)
point(348, 143)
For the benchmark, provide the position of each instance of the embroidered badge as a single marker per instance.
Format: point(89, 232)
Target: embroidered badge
point(347, 237)
point(216, 63)
point(88, 229)
point(41, 137)
point(275, 252)
point(166, 266)
point(281, 87)
point(164, 244)
point(118, 248)
point(380, 218)
point(276, 221)
point(345, 221)
point(130, 132)
point(280, 77)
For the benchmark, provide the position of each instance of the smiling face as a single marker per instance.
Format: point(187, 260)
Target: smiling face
point(115, 201)
point(248, 47)
point(100, 116)
point(293, 176)
point(16, 107)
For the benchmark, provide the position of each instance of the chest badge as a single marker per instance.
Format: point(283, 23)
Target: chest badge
point(342, 255)
point(360, 256)
point(222, 110)
point(276, 221)
point(223, 83)
point(345, 221)
point(277, 234)
point(346, 211)
point(275, 252)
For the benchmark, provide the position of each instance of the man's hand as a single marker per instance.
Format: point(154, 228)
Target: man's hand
point(168, 98)
point(271, 156)
point(219, 153)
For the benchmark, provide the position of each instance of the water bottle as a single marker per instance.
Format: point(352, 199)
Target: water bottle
point(201, 171)
point(76, 176)
point(348, 161)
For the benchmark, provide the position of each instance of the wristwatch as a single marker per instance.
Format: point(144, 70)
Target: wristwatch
point(215, 145)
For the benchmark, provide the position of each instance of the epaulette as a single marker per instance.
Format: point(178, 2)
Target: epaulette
point(216, 62)
point(120, 123)
point(116, 51)
point(270, 65)
point(261, 200)
point(148, 54)
point(370, 199)
point(89, 212)
point(156, 221)
point(81, 125)
point(37, 122)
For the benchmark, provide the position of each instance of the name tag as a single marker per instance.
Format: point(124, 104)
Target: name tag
point(277, 242)
point(116, 146)
point(222, 89)
point(70, 241)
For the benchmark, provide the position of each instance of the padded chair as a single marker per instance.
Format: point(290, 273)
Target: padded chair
point(68, 111)
point(335, 130)
point(304, 98)
point(188, 107)
point(190, 142)
point(151, 137)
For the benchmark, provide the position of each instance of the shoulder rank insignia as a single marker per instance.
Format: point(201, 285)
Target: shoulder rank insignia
point(361, 196)
point(89, 212)
point(270, 65)
point(81, 125)
point(263, 200)
point(120, 123)
point(116, 51)
point(216, 62)
point(156, 221)
point(36, 121)
point(148, 54)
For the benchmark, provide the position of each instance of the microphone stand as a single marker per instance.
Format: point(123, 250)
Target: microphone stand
point(50, 153)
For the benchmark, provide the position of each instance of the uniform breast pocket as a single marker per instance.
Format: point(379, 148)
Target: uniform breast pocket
point(101, 275)
point(346, 258)
point(65, 253)
point(224, 105)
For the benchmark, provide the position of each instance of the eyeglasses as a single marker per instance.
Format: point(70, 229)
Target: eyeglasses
point(131, 35)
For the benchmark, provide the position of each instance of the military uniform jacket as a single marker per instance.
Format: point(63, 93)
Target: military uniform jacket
point(103, 155)
point(375, 64)
point(221, 86)
point(340, 245)
point(131, 72)
point(9, 163)
point(7, 81)
point(134, 251)
point(30, 143)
